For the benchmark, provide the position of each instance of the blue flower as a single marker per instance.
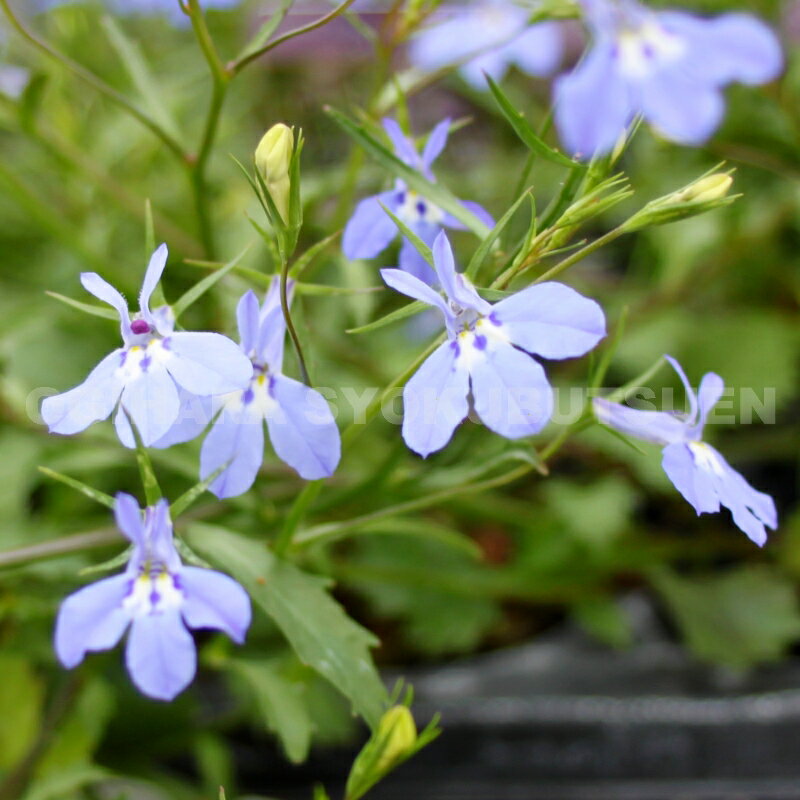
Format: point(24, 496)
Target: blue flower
point(371, 229)
point(154, 376)
point(668, 66)
point(159, 598)
point(484, 354)
point(488, 37)
point(695, 468)
point(300, 424)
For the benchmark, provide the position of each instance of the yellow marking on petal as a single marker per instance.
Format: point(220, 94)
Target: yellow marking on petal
point(261, 379)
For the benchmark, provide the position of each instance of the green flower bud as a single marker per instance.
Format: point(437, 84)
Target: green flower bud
point(273, 157)
point(704, 194)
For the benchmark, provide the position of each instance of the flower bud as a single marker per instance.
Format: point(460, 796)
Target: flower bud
point(704, 194)
point(273, 159)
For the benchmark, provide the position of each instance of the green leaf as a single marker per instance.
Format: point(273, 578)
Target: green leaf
point(201, 287)
point(112, 563)
point(88, 308)
point(603, 618)
point(434, 192)
point(398, 314)
point(305, 260)
point(486, 245)
point(146, 85)
point(316, 626)
point(21, 697)
point(521, 127)
point(152, 491)
point(745, 617)
point(188, 497)
point(281, 703)
point(265, 32)
point(412, 237)
point(93, 494)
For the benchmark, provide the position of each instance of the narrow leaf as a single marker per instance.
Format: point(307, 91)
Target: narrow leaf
point(199, 289)
point(88, 308)
point(412, 237)
point(521, 127)
point(93, 494)
point(394, 316)
point(188, 497)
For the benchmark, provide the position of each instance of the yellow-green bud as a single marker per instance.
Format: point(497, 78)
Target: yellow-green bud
point(712, 187)
point(273, 158)
point(398, 732)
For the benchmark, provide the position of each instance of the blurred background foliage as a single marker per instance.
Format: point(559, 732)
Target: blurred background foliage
point(472, 572)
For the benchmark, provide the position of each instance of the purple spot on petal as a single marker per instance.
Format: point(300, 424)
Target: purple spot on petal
point(400, 197)
point(247, 397)
point(165, 343)
point(493, 318)
point(123, 357)
point(271, 386)
point(154, 597)
point(455, 347)
point(479, 342)
point(648, 51)
point(421, 208)
point(145, 363)
point(140, 326)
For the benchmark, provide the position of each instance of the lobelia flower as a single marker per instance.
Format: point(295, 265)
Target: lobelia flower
point(155, 377)
point(484, 354)
point(300, 424)
point(159, 598)
point(488, 37)
point(695, 468)
point(668, 66)
point(371, 229)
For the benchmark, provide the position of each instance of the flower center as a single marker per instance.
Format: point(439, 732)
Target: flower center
point(706, 458)
point(153, 592)
point(642, 50)
point(413, 209)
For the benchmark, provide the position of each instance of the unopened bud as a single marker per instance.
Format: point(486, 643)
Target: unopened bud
point(712, 187)
point(704, 194)
point(273, 159)
point(398, 731)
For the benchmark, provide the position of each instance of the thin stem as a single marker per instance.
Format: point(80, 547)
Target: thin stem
point(290, 324)
point(579, 255)
point(309, 493)
point(221, 78)
point(235, 67)
point(94, 81)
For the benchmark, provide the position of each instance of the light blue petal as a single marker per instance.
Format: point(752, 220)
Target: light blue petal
point(302, 429)
point(435, 400)
point(539, 50)
point(152, 401)
point(213, 600)
point(708, 395)
point(414, 264)
point(272, 326)
point(237, 436)
point(659, 427)
point(551, 320)
point(207, 363)
point(727, 48)
point(690, 395)
point(681, 108)
point(370, 229)
point(512, 395)
point(104, 291)
point(695, 484)
point(91, 619)
point(247, 314)
point(151, 278)
point(751, 509)
point(436, 142)
point(493, 63)
point(478, 210)
point(411, 286)
point(128, 517)
point(160, 538)
point(592, 104)
point(160, 655)
point(452, 282)
point(194, 414)
point(91, 401)
point(403, 146)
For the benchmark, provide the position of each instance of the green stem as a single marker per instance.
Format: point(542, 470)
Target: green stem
point(579, 255)
point(309, 493)
point(87, 76)
point(290, 324)
point(235, 67)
